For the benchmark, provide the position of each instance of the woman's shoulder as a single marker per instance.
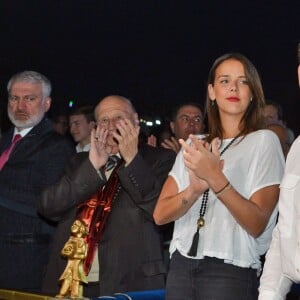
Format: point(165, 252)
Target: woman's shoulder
point(262, 134)
point(262, 139)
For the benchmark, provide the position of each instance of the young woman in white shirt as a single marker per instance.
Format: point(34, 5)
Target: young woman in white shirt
point(222, 193)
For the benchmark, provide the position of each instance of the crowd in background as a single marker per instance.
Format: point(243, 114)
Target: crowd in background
point(204, 187)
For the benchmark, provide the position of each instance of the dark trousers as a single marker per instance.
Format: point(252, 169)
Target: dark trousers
point(209, 279)
point(91, 290)
point(23, 251)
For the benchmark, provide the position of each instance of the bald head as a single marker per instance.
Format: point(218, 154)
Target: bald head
point(115, 101)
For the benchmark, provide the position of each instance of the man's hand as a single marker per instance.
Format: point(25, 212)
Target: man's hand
point(152, 140)
point(171, 144)
point(99, 152)
point(127, 135)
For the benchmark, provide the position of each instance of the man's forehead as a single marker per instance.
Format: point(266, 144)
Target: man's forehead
point(113, 111)
point(113, 108)
point(189, 110)
point(77, 117)
point(270, 109)
point(22, 86)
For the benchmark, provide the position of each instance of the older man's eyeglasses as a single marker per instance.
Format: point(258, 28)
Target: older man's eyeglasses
point(106, 121)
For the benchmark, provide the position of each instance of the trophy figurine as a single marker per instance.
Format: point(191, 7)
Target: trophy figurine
point(75, 250)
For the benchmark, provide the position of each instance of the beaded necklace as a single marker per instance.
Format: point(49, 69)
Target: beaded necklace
point(201, 220)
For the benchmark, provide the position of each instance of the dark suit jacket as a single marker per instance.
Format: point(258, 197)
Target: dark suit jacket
point(38, 160)
point(130, 250)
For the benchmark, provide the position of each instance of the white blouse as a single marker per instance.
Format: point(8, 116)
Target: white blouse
point(250, 164)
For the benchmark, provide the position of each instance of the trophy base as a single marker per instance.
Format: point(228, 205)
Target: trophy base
point(69, 298)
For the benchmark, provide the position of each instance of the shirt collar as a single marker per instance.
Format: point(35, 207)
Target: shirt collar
point(85, 148)
point(23, 132)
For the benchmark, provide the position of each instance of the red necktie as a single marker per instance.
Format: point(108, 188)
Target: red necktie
point(5, 155)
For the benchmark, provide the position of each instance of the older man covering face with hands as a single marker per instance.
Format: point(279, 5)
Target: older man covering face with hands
point(125, 249)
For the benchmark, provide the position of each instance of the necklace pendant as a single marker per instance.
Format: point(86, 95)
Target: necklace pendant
point(200, 222)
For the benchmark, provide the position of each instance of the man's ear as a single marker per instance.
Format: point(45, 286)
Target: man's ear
point(92, 125)
point(47, 104)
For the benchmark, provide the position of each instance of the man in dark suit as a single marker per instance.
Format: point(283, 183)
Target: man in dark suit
point(129, 252)
point(36, 161)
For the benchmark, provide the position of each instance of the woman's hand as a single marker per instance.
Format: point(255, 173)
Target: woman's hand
point(202, 158)
point(197, 185)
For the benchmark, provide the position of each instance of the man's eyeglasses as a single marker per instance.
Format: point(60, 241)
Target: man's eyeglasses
point(187, 119)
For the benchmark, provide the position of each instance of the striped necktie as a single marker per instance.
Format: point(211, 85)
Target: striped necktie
point(111, 162)
point(5, 155)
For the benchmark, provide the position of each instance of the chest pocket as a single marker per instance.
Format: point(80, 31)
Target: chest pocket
point(289, 207)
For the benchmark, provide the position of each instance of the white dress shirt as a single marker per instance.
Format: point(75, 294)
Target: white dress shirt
point(85, 148)
point(282, 266)
point(22, 132)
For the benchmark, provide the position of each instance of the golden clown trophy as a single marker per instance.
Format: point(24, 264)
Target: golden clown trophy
point(75, 250)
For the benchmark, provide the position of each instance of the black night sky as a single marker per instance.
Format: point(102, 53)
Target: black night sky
point(156, 52)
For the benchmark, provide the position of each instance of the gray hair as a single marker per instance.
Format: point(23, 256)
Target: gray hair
point(32, 77)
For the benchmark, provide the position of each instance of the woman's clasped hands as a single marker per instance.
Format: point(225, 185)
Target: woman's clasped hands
point(202, 160)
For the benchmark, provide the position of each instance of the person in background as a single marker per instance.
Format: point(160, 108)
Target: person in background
point(272, 113)
point(186, 119)
point(116, 200)
point(281, 131)
point(222, 193)
point(35, 159)
point(82, 122)
point(282, 262)
point(61, 123)
point(273, 117)
point(160, 133)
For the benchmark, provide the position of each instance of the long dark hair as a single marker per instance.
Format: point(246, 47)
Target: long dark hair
point(252, 119)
